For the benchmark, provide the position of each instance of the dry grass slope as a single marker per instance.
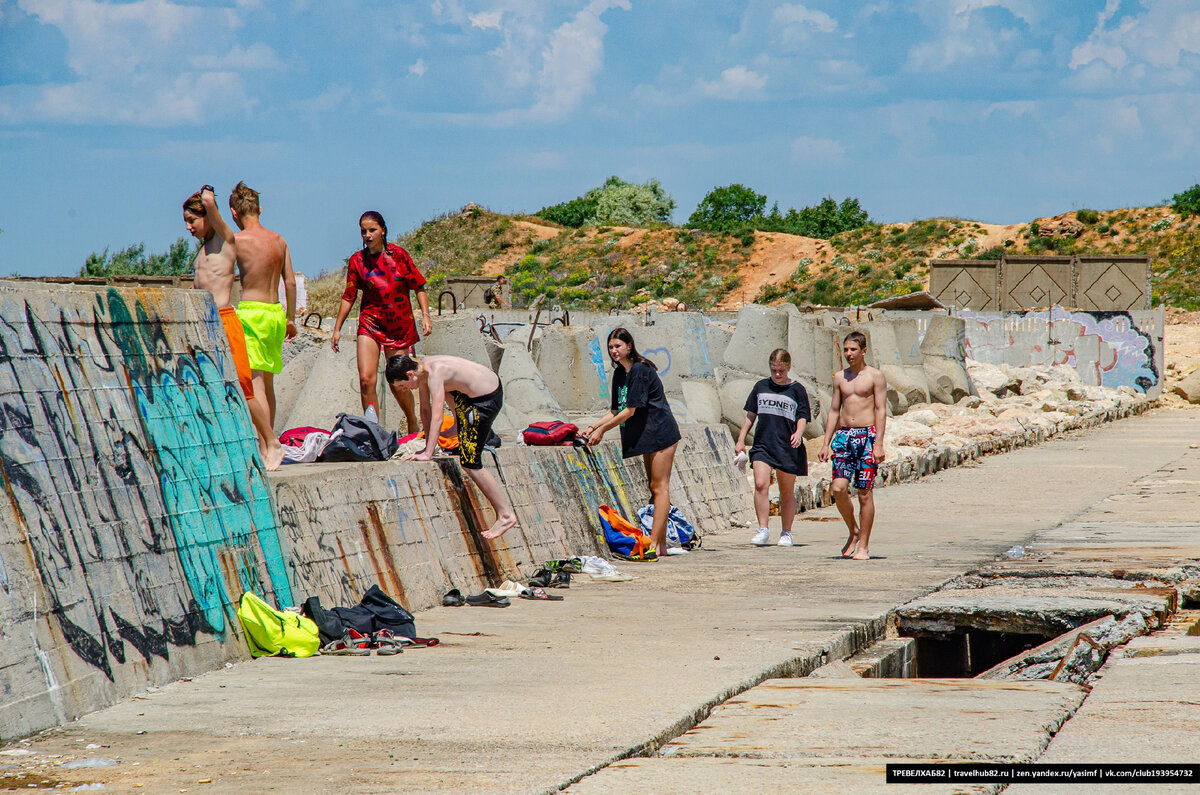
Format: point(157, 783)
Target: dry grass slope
point(605, 267)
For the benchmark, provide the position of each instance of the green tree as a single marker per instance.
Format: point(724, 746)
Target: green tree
point(727, 208)
point(134, 261)
point(616, 202)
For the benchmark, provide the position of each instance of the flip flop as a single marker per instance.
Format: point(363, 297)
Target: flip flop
point(486, 599)
point(421, 643)
point(539, 594)
point(453, 598)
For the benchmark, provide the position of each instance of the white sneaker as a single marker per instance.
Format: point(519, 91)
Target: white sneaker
point(612, 576)
point(762, 538)
point(597, 565)
point(785, 539)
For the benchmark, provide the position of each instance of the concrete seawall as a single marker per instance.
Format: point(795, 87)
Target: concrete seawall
point(139, 511)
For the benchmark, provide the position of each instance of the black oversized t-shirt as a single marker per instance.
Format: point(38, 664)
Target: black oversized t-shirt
point(778, 408)
point(652, 426)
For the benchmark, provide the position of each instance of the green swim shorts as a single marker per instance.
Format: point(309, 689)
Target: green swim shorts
point(265, 326)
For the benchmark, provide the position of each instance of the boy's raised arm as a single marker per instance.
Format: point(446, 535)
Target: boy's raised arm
point(213, 212)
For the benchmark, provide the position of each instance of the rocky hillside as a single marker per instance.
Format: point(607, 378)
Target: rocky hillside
point(604, 267)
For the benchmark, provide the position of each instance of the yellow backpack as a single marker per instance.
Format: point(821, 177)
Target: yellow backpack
point(271, 632)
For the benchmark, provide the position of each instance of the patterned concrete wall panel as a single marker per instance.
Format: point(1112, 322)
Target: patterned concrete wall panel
point(1035, 282)
point(1111, 349)
point(1113, 283)
point(965, 284)
point(678, 345)
point(135, 494)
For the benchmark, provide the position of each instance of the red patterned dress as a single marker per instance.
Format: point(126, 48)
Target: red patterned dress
point(385, 280)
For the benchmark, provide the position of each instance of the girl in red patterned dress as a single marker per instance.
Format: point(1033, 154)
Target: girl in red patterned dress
point(385, 274)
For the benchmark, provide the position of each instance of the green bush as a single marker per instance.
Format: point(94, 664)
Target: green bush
point(134, 261)
point(995, 252)
point(1188, 202)
point(1088, 217)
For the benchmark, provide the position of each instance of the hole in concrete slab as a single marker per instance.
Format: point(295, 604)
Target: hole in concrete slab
point(966, 654)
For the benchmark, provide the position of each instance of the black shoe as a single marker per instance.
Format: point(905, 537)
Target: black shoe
point(542, 579)
point(486, 599)
point(561, 580)
point(453, 598)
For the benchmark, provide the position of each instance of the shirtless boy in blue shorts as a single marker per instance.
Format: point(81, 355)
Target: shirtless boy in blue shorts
point(854, 440)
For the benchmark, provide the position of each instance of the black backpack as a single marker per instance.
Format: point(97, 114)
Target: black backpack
point(329, 624)
point(360, 440)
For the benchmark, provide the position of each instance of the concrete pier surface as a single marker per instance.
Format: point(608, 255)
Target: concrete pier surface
point(693, 664)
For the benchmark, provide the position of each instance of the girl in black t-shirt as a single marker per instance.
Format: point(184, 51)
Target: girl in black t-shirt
point(648, 429)
point(781, 408)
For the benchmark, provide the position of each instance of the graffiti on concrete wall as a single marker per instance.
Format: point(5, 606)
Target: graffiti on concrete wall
point(131, 472)
point(1110, 348)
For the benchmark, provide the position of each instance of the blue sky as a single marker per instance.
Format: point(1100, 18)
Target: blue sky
point(112, 113)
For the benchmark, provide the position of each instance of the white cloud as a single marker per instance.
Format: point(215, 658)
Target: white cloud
point(736, 82)
point(489, 20)
point(962, 36)
point(816, 151)
point(133, 67)
point(328, 100)
point(1162, 36)
point(256, 57)
point(418, 68)
point(792, 24)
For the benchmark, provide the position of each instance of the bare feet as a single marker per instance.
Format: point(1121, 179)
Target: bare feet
point(502, 525)
point(273, 455)
point(851, 544)
point(861, 554)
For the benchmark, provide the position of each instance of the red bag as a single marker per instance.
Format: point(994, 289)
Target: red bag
point(295, 436)
point(550, 434)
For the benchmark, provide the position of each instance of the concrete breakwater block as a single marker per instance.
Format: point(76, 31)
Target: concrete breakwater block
point(575, 367)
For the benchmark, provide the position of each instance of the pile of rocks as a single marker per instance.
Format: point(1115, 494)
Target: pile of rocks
point(1015, 407)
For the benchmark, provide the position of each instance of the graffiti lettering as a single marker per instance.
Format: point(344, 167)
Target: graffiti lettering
point(130, 470)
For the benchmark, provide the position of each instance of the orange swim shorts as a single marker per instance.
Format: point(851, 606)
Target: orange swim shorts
point(237, 346)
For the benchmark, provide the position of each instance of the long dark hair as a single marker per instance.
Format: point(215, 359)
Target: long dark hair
point(624, 336)
point(372, 215)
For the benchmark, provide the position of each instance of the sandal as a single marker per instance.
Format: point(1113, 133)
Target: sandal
point(384, 643)
point(561, 580)
point(542, 579)
point(540, 595)
point(486, 599)
point(358, 641)
point(453, 598)
point(342, 647)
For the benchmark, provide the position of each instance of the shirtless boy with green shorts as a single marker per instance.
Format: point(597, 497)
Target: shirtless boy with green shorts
point(213, 268)
point(263, 257)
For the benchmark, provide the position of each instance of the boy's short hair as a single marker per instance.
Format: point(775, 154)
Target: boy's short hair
point(398, 368)
point(244, 200)
point(780, 356)
point(194, 205)
point(858, 337)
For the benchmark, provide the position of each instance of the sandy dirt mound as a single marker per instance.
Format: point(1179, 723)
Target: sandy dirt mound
point(774, 257)
point(527, 233)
